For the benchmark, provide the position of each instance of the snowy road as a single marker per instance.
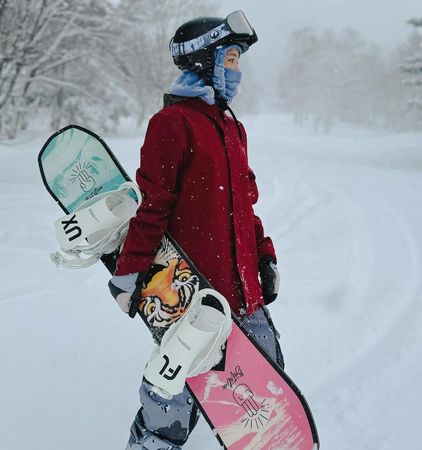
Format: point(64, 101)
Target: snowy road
point(345, 214)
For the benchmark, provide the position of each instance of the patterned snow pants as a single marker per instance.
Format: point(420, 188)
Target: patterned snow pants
point(166, 424)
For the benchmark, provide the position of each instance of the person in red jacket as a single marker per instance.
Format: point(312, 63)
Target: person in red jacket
point(197, 185)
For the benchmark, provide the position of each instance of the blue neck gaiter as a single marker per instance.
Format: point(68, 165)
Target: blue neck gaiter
point(226, 81)
point(189, 84)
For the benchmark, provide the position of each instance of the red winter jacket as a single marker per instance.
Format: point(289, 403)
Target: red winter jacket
point(198, 186)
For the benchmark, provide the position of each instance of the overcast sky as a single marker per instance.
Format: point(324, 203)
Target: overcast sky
point(379, 21)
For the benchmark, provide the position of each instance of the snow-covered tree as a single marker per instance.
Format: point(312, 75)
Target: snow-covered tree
point(86, 61)
point(331, 76)
point(51, 55)
point(143, 47)
point(412, 65)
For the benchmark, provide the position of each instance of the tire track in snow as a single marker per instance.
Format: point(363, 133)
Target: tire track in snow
point(398, 318)
point(310, 195)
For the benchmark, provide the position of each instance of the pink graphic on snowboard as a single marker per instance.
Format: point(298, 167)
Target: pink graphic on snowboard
point(251, 407)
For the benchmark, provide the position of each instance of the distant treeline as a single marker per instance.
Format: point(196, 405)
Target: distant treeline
point(334, 77)
point(94, 62)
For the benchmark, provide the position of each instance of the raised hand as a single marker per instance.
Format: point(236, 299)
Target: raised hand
point(86, 181)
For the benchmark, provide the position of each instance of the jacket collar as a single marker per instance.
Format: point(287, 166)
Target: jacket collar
point(171, 99)
point(213, 111)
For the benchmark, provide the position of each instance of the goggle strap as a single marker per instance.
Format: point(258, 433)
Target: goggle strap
point(184, 48)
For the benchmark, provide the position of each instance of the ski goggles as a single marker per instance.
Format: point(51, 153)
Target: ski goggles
point(235, 25)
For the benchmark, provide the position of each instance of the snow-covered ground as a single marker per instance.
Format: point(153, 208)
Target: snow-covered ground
point(345, 212)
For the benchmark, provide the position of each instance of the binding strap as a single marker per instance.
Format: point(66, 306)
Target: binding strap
point(97, 227)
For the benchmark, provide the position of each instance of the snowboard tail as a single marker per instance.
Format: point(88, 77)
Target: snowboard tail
point(249, 402)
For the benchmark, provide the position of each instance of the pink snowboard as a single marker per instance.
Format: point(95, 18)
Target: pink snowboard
point(252, 404)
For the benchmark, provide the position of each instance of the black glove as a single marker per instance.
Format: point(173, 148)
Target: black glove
point(123, 288)
point(270, 278)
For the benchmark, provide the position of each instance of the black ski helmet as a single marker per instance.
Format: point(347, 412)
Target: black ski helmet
point(193, 44)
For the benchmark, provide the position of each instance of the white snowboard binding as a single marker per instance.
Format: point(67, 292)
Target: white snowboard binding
point(192, 345)
point(101, 221)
